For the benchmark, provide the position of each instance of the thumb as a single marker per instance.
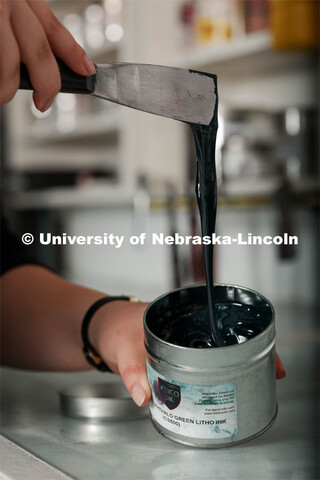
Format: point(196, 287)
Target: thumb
point(131, 364)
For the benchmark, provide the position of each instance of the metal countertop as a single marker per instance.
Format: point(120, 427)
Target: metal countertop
point(134, 450)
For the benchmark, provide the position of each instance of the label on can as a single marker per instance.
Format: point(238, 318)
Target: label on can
point(198, 411)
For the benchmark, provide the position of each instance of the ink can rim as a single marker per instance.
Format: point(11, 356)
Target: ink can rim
point(228, 356)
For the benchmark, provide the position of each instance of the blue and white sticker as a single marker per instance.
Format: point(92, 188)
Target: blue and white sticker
point(198, 411)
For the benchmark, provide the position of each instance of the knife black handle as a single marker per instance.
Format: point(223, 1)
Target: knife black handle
point(71, 82)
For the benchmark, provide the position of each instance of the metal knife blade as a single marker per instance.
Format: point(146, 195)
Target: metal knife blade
point(177, 93)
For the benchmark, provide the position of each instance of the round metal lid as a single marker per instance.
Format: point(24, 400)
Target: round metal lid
point(100, 402)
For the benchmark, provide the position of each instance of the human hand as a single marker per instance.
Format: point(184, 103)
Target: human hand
point(30, 33)
point(116, 333)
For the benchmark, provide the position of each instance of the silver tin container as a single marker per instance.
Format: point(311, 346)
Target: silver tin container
point(211, 397)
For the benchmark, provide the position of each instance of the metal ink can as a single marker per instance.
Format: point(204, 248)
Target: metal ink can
point(211, 397)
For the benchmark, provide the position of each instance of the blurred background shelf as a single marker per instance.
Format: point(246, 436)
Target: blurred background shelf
point(61, 158)
point(203, 57)
point(248, 56)
point(107, 195)
point(86, 125)
point(103, 195)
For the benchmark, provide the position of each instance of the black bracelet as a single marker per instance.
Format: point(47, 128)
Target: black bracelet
point(92, 357)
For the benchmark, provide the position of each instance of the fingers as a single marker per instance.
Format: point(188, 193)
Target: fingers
point(116, 333)
point(36, 53)
point(127, 350)
point(61, 41)
point(280, 371)
point(131, 364)
point(32, 34)
point(9, 59)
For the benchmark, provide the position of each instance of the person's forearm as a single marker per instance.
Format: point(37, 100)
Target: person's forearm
point(41, 317)
point(41, 328)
